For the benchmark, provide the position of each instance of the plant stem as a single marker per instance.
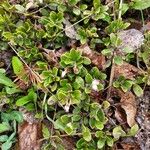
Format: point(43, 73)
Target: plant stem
point(111, 78)
point(142, 18)
point(120, 9)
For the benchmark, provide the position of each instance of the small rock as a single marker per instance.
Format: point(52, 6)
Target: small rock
point(131, 40)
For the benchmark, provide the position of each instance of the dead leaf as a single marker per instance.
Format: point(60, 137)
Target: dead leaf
point(146, 27)
point(29, 131)
point(128, 103)
point(29, 135)
point(130, 146)
point(96, 58)
point(127, 70)
point(120, 116)
point(69, 30)
point(68, 143)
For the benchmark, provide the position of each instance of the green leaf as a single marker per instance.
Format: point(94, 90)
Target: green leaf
point(79, 82)
point(88, 78)
point(75, 55)
point(16, 115)
point(86, 133)
point(99, 125)
point(133, 131)
point(73, 2)
point(106, 52)
point(20, 8)
point(17, 65)
point(7, 145)
point(101, 115)
point(137, 90)
point(6, 81)
point(65, 119)
point(124, 8)
point(13, 115)
point(3, 138)
point(118, 132)
point(12, 90)
point(61, 95)
point(100, 134)
point(126, 86)
point(118, 60)
point(105, 105)
point(76, 118)
point(76, 94)
point(4, 127)
point(116, 25)
point(86, 61)
point(82, 36)
point(52, 100)
point(109, 141)
point(69, 128)
point(140, 4)
point(31, 97)
point(45, 132)
point(76, 11)
point(96, 3)
point(101, 143)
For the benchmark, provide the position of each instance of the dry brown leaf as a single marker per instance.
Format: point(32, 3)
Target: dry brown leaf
point(96, 58)
point(128, 103)
point(130, 146)
point(69, 30)
point(68, 143)
point(120, 116)
point(29, 135)
point(127, 70)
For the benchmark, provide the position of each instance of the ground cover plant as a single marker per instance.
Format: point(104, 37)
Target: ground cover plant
point(74, 74)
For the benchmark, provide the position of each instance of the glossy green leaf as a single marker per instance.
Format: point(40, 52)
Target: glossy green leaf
point(6, 81)
point(118, 60)
point(4, 127)
point(101, 143)
point(88, 78)
point(140, 4)
point(109, 141)
point(3, 138)
point(45, 132)
point(86, 133)
point(118, 132)
point(31, 97)
point(17, 65)
point(137, 90)
point(133, 131)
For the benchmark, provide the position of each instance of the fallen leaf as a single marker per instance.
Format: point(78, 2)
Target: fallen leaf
point(96, 58)
point(127, 70)
point(120, 116)
point(131, 146)
point(69, 30)
point(128, 103)
point(29, 135)
point(146, 27)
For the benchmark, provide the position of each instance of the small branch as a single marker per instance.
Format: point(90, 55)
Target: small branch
point(24, 62)
point(66, 135)
point(120, 9)
point(111, 78)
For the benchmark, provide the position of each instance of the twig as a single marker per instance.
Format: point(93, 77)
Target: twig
point(36, 74)
point(66, 135)
point(120, 9)
point(71, 25)
point(111, 78)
